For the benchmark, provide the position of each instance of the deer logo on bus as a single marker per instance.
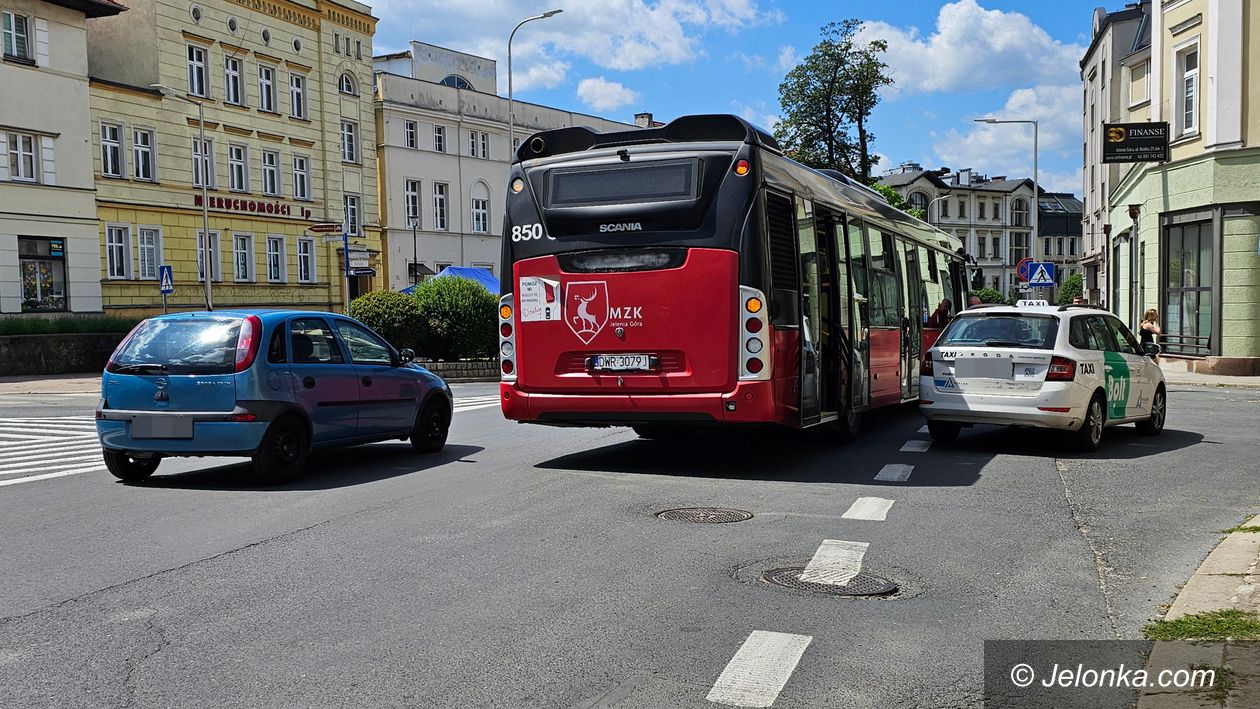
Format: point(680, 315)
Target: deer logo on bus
point(586, 309)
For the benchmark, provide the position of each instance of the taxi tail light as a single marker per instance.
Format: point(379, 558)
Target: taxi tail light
point(247, 342)
point(925, 369)
point(1061, 369)
point(754, 352)
point(507, 337)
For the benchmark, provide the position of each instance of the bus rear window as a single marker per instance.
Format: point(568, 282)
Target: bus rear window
point(623, 184)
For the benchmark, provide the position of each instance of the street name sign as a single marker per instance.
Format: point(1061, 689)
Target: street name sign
point(324, 228)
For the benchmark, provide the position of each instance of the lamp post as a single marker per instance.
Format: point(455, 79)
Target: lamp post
point(415, 273)
point(927, 210)
point(207, 270)
point(511, 121)
point(1036, 205)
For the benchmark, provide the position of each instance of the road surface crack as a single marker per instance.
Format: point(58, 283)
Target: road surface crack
point(132, 664)
point(1101, 565)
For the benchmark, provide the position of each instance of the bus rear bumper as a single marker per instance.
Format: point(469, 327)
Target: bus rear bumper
point(750, 402)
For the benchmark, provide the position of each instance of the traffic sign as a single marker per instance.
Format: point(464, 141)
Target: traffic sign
point(166, 280)
point(1042, 275)
point(324, 228)
point(1023, 269)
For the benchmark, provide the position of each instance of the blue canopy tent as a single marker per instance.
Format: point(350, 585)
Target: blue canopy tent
point(480, 275)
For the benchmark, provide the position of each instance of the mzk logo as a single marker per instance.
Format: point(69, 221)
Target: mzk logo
point(627, 226)
point(586, 308)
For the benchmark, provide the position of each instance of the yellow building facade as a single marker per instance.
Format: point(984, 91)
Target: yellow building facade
point(289, 142)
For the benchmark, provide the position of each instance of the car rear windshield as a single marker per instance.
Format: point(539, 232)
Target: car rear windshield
point(180, 346)
point(1002, 330)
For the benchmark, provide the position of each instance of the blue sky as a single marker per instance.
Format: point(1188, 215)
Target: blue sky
point(952, 61)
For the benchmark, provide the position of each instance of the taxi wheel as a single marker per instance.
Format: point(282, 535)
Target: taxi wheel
point(128, 467)
point(282, 454)
point(1159, 410)
point(943, 431)
point(1089, 435)
point(428, 434)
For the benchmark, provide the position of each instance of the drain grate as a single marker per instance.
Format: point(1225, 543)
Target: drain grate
point(705, 515)
point(863, 584)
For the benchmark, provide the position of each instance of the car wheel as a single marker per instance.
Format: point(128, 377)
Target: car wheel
point(125, 466)
point(282, 454)
point(428, 433)
point(943, 431)
point(1159, 411)
point(1089, 435)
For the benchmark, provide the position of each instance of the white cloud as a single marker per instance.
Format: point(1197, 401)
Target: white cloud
point(603, 95)
point(758, 113)
point(788, 58)
point(974, 49)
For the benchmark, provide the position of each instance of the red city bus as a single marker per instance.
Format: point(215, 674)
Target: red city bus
point(691, 274)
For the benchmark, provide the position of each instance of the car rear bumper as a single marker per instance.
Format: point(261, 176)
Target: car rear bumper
point(1006, 410)
point(750, 402)
point(213, 432)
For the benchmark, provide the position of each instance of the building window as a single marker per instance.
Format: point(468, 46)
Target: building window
point(1139, 83)
point(142, 163)
point(1060, 245)
point(42, 264)
point(997, 209)
point(1047, 247)
point(232, 80)
point(945, 208)
point(271, 172)
point(456, 81)
point(306, 260)
point(266, 88)
point(481, 215)
point(275, 259)
point(1188, 269)
point(349, 142)
point(17, 42)
point(918, 200)
point(243, 257)
point(485, 145)
point(980, 209)
point(149, 251)
point(1019, 247)
point(1019, 212)
point(351, 223)
point(213, 245)
point(411, 202)
point(962, 208)
point(1188, 90)
point(472, 143)
point(111, 150)
point(439, 138)
point(346, 84)
point(203, 163)
point(337, 42)
point(1072, 247)
point(347, 38)
point(358, 49)
point(301, 177)
point(197, 84)
point(440, 190)
point(238, 168)
point(409, 134)
point(22, 163)
point(117, 247)
point(297, 96)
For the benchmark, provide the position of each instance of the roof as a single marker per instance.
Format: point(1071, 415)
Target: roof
point(901, 179)
point(92, 8)
point(1061, 202)
point(1129, 13)
point(1001, 185)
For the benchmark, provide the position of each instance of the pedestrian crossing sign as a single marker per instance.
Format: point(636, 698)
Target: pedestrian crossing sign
point(166, 280)
point(1042, 275)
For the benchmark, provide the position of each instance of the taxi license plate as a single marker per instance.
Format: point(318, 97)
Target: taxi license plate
point(621, 362)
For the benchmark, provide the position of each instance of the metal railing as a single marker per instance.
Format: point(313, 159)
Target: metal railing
point(1192, 345)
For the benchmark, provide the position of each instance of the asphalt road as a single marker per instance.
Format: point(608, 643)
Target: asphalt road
point(525, 567)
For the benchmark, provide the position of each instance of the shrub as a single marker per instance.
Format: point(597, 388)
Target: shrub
point(989, 295)
point(25, 325)
point(394, 315)
point(457, 319)
point(1073, 287)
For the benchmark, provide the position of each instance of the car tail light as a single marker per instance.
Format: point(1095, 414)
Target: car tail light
point(247, 342)
point(925, 369)
point(1061, 369)
point(244, 418)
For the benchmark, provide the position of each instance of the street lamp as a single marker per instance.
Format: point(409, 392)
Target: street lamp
point(1036, 205)
point(206, 269)
point(511, 121)
point(927, 209)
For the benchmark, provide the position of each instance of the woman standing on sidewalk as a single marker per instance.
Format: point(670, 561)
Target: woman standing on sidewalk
point(1150, 328)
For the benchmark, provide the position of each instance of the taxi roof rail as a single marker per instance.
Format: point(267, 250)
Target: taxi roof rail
point(1069, 306)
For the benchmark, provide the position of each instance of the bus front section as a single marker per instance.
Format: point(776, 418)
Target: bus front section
point(629, 299)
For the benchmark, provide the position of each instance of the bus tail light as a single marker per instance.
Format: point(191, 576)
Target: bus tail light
point(507, 338)
point(741, 167)
point(1061, 369)
point(754, 352)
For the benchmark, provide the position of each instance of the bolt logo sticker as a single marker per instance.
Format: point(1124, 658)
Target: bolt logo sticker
point(586, 308)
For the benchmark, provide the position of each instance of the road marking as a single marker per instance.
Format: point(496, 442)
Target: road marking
point(916, 446)
point(895, 473)
point(872, 508)
point(836, 562)
point(48, 476)
point(12, 461)
point(759, 670)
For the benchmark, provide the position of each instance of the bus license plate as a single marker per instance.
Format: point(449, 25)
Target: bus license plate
point(621, 362)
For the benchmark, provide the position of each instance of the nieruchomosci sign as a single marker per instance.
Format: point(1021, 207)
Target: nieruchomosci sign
point(1135, 142)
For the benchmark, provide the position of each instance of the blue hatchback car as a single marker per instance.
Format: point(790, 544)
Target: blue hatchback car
point(271, 385)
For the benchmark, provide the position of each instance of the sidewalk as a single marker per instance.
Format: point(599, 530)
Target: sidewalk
point(1211, 380)
point(89, 383)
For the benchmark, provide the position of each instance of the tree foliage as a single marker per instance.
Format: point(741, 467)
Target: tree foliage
point(1073, 287)
point(989, 295)
point(828, 98)
point(393, 315)
point(894, 198)
point(457, 319)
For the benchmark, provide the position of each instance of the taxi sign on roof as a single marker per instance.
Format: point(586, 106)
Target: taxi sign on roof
point(1031, 303)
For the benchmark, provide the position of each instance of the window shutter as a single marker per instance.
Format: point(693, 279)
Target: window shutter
point(41, 41)
point(48, 171)
point(4, 156)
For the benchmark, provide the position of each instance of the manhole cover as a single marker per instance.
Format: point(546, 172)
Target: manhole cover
point(863, 584)
point(705, 515)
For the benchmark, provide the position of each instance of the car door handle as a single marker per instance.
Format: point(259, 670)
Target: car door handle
point(367, 381)
point(308, 382)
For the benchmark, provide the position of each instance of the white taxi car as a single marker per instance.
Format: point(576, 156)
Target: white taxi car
point(1074, 367)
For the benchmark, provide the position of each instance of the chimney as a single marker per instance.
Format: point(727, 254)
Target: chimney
point(643, 120)
point(964, 177)
point(911, 166)
point(999, 178)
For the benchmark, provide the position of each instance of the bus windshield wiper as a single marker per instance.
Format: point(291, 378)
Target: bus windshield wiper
point(139, 368)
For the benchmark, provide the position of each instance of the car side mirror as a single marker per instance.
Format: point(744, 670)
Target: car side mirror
point(405, 355)
point(1151, 349)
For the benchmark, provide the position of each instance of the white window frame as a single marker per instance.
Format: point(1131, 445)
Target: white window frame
point(281, 259)
point(309, 257)
point(480, 215)
point(9, 23)
point(216, 268)
point(411, 202)
point(154, 249)
point(485, 145)
point(16, 155)
point(112, 145)
point(117, 250)
point(297, 95)
point(1180, 52)
point(441, 193)
point(411, 134)
point(1145, 65)
point(353, 210)
point(266, 88)
point(472, 143)
point(439, 138)
point(302, 178)
point(233, 87)
point(143, 155)
point(337, 42)
point(197, 71)
point(238, 252)
point(349, 141)
point(238, 168)
point(346, 84)
point(271, 183)
point(203, 163)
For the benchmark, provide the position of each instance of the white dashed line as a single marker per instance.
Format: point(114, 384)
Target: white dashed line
point(758, 672)
point(895, 473)
point(871, 508)
point(916, 446)
point(836, 562)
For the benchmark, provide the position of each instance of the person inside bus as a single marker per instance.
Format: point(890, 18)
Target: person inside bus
point(939, 319)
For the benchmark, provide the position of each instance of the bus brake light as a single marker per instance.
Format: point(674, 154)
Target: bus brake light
point(741, 167)
point(754, 365)
point(753, 325)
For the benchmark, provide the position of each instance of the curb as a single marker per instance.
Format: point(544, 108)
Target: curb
point(1215, 385)
point(1227, 578)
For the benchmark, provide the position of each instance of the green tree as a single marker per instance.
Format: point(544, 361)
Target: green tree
point(1073, 287)
point(393, 315)
point(457, 319)
point(894, 198)
point(828, 98)
point(989, 295)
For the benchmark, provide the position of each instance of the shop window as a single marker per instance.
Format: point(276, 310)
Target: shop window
point(42, 263)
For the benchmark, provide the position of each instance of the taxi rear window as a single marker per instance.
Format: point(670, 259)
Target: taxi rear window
point(1002, 330)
